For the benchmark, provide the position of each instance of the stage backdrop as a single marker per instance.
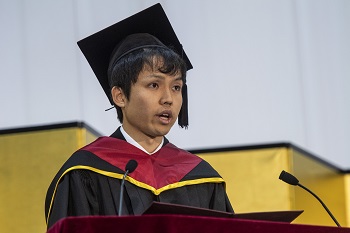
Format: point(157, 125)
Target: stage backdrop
point(30, 157)
point(264, 71)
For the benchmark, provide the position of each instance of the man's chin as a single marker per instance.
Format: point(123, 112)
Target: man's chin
point(164, 130)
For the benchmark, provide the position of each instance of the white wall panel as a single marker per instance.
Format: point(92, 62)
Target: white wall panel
point(264, 71)
point(325, 58)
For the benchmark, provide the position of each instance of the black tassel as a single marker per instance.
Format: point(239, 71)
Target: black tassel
point(183, 115)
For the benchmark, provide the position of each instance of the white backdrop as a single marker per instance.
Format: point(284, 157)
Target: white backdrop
point(264, 70)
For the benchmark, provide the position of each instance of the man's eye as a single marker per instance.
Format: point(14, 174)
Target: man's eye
point(153, 85)
point(177, 88)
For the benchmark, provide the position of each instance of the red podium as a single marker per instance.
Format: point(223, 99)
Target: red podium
point(180, 224)
point(173, 218)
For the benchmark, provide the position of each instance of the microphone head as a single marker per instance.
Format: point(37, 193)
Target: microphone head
point(288, 178)
point(131, 166)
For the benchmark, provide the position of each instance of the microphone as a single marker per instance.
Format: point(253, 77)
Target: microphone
point(130, 167)
point(292, 180)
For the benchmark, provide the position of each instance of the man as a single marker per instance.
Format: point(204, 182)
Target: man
point(145, 81)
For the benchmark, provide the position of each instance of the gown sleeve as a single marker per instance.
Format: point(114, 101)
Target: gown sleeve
point(75, 196)
point(219, 200)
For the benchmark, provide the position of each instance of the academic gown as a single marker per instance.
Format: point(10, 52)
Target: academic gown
point(89, 182)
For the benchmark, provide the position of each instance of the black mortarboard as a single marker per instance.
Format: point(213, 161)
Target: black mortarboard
point(98, 47)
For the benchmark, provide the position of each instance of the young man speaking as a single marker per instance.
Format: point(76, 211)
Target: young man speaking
point(142, 68)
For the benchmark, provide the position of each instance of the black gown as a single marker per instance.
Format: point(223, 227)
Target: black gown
point(89, 182)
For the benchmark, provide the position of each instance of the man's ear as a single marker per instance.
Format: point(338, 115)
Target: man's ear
point(118, 96)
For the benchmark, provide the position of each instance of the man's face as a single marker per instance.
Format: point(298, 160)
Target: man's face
point(153, 105)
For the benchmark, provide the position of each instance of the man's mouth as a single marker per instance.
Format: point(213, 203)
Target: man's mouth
point(165, 117)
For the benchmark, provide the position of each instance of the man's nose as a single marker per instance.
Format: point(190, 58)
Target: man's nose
point(167, 97)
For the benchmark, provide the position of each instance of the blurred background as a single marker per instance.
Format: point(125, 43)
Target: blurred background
point(264, 71)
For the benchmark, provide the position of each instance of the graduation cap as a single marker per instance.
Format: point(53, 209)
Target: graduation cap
point(99, 47)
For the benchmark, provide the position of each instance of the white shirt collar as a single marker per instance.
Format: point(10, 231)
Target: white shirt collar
point(136, 144)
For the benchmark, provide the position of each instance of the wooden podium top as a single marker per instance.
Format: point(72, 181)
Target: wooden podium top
point(174, 209)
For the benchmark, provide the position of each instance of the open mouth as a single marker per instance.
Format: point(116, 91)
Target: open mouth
point(165, 116)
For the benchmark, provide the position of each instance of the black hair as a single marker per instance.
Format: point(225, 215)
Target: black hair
point(126, 70)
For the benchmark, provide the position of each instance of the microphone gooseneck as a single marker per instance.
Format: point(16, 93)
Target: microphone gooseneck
point(292, 180)
point(130, 167)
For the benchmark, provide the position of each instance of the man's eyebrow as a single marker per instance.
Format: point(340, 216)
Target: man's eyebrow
point(163, 77)
point(178, 78)
point(156, 76)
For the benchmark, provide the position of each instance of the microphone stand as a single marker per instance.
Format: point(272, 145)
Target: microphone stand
point(324, 206)
point(121, 194)
point(130, 167)
point(292, 180)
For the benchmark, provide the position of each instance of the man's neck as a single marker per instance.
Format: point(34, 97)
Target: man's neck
point(149, 146)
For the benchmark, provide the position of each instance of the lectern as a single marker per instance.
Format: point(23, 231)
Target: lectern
point(171, 218)
point(181, 224)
